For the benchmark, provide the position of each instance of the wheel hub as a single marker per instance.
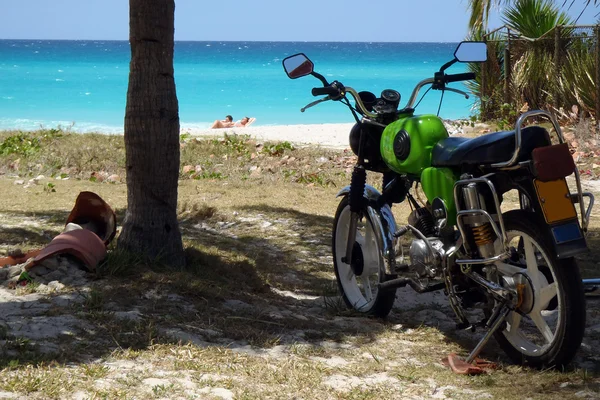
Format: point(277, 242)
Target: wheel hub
point(525, 293)
point(358, 260)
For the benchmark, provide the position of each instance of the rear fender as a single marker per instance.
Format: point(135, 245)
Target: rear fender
point(384, 224)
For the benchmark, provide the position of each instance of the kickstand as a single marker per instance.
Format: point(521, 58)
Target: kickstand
point(472, 365)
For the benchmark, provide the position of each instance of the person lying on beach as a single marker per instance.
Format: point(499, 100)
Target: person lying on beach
point(225, 123)
point(244, 122)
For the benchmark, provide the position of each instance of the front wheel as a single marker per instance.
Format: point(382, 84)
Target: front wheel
point(359, 283)
point(548, 328)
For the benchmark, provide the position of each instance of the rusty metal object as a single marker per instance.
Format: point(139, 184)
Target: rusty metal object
point(91, 212)
point(90, 227)
point(81, 243)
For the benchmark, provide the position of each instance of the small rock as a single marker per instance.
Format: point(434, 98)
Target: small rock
point(53, 276)
point(42, 288)
point(19, 182)
point(16, 253)
point(56, 285)
point(68, 280)
point(15, 270)
point(186, 169)
point(39, 270)
point(256, 172)
point(223, 393)
point(585, 393)
point(114, 178)
point(100, 176)
point(51, 263)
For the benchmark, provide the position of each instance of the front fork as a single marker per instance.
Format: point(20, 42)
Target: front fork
point(357, 205)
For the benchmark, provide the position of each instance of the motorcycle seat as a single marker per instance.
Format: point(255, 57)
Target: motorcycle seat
point(488, 149)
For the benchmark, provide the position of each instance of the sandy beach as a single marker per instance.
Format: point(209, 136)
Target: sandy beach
point(325, 135)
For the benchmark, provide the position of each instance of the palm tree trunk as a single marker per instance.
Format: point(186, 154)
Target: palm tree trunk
point(152, 135)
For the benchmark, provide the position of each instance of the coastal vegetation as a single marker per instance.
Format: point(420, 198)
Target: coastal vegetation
point(539, 59)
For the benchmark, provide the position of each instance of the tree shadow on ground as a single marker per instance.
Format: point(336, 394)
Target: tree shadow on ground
point(588, 262)
point(223, 298)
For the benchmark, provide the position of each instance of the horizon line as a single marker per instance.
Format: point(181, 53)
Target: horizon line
point(234, 41)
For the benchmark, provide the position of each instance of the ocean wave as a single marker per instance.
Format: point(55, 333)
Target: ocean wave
point(35, 124)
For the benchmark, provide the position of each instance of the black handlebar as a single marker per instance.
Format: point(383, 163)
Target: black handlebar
point(325, 90)
point(459, 77)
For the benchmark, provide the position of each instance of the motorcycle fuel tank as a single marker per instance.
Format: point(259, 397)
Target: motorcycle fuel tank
point(406, 144)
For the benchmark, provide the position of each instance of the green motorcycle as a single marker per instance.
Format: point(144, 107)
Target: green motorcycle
point(517, 266)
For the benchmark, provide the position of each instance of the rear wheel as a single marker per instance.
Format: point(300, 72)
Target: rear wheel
point(359, 283)
point(548, 328)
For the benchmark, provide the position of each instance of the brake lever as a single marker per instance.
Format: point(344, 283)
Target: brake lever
point(457, 91)
point(314, 103)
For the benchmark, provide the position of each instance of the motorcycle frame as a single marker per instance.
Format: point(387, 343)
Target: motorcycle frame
point(386, 226)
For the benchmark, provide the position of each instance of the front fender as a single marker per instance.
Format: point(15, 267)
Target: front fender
point(384, 224)
point(371, 193)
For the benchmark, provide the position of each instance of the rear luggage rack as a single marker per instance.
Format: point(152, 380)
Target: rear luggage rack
point(585, 214)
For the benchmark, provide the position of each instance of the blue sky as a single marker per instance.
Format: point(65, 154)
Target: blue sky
point(271, 20)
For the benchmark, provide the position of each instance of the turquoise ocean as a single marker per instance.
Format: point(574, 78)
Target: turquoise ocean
point(58, 83)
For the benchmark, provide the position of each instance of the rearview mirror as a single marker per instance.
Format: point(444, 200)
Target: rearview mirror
point(297, 66)
point(471, 52)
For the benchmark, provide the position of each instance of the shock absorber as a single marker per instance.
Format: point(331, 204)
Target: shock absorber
point(356, 200)
point(483, 234)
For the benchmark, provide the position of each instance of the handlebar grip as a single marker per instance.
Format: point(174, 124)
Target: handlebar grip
point(325, 90)
point(459, 77)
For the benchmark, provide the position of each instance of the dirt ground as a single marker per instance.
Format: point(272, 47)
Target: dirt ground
point(256, 315)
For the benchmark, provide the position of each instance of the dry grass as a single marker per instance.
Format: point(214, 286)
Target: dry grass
point(255, 314)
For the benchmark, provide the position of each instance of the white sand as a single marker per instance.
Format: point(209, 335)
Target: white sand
point(326, 135)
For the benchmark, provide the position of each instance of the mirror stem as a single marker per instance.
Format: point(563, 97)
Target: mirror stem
point(447, 65)
point(320, 77)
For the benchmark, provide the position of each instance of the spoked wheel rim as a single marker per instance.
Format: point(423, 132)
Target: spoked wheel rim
point(360, 291)
point(533, 330)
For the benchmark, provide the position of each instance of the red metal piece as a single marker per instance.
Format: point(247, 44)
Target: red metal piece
point(94, 214)
point(459, 366)
point(14, 260)
point(81, 243)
